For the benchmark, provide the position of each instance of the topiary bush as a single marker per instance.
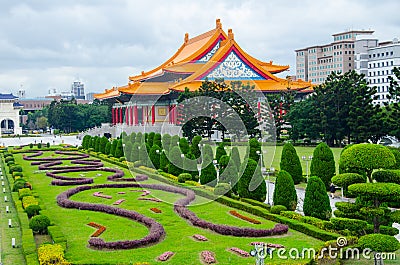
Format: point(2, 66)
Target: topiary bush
point(316, 200)
point(323, 164)
point(354, 225)
point(19, 184)
point(220, 151)
point(155, 152)
point(164, 162)
point(364, 158)
point(384, 175)
point(134, 153)
point(166, 142)
point(208, 174)
point(190, 166)
point(277, 209)
point(254, 146)
point(285, 192)
point(15, 168)
point(194, 148)
point(157, 140)
point(252, 184)
point(24, 192)
point(184, 146)
point(184, 177)
point(176, 161)
point(379, 243)
point(39, 224)
point(223, 189)
point(290, 162)
point(344, 180)
point(32, 210)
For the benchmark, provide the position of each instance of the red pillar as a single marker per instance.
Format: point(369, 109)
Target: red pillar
point(136, 115)
point(153, 114)
point(120, 115)
point(116, 115)
point(130, 115)
point(126, 116)
point(112, 116)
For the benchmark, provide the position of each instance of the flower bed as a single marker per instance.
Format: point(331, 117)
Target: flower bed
point(248, 219)
point(271, 245)
point(118, 202)
point(149, 199)
point(99, 231)
point(165, 256)
point(145, 192)
point(240, 252)
point(155, 210)
point(208, 257)
point(200, 237)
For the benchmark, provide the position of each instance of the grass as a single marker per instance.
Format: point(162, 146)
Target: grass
point(178, 239)
point(8, 254)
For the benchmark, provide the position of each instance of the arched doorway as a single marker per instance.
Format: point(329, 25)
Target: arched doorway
point(7, 126)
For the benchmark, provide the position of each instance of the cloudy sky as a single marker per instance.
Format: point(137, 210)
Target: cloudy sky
point(48, 44)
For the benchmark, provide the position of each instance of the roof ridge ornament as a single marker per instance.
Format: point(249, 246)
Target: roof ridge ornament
point(218, 24)
point(230, 34)
point(186, 37)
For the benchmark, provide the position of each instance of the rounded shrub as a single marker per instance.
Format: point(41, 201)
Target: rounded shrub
point(235, 156)
point(220, 151)
point(150, 138)
point(277, 209)
point(184, 146)
point(208, 174)
point(174, 141)
point(39, 224)
point(290, 162)
point(223, 189)
point(134, 153)
point(194, 148)
point(285, 192)
point(15, 168)
point(166, 142)
point(164, 162)
point(344, 180)
point(107, 149)
point(184, 177)
point(17, 174)
point(323, 164)
point(39, 145)
point(176, 161)
point(9, 158)
point(396, 152)
point(157, 140)
point(154, 155)
point(379, 243)
point(190, 165)
point(32, 210)
point(19, 184)
point(384, 175)
point(252, 184)
point(316, 200)
point(354, 225)
point(254, 147)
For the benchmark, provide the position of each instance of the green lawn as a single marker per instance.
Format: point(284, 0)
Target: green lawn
point(178, 239)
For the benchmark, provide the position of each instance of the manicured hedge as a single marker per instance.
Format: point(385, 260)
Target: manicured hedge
point(28, 242)
point(354, 225)
point(379, 243)
point(391, 176)
point(57, 236)
point(277, 209)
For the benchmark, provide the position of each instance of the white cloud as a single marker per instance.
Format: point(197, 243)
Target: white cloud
point(48, 43)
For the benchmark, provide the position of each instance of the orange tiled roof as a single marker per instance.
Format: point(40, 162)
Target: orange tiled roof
point(146, 88)
point(108, 93)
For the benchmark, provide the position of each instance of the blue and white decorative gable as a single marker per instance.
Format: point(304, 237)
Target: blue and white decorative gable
point(233, 68)
point(210, 54)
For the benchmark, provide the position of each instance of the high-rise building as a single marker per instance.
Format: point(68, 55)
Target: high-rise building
point(78, 90)
point(316, 62)
point(376, 61)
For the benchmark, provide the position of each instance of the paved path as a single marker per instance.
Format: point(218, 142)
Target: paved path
point(45, 138)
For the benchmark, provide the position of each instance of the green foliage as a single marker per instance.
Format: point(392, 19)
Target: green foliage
point(396, 152)
point(184, 177)
point(24, 192)
point(184, 146)
point(128, 150)
point(86, 141)
point(39, 145)
point(236, 157)
point(15, 168)
point(31, 145)
point(389, 176)
point(379, 243)
point(143, 154)
point(208, 174)
point(353, 225)
point(135, 152)
point(190, 166)
point(176, 161)
point(97, 144)
point(39, 224)
point(19, 184)
point(113, 147)
point(154, 156)
point(380, 191)
point(166, 142)
point(164, 162)
point(102, 145)
point(194, 148)
point(323, 164)
point(290, 162)
point(285, 192)
point(8, 159)
point(220, 151)
point(174, 141)
point(222, 189)
point(150, 138)
point(207, 152)
point(316, 200)
point(254, 147)
point(139, 138)
point(277, 209)
point(156, 140)
point(346, 179)
point(365, 158)
point(107, 149)
point(32, 210)
point(119, 151)
point(252, 184)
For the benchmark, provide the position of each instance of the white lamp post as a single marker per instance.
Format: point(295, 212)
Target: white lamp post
point(307, 159)
point(271, 171)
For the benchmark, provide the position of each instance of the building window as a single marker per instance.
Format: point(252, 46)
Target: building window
point(391, 62)
point(391, 53)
